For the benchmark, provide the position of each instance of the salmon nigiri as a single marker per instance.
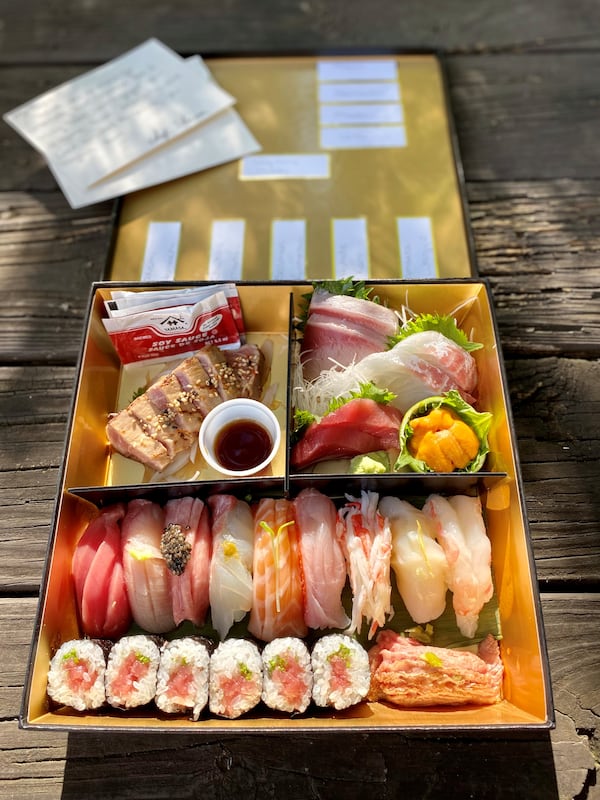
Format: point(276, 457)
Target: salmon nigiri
point(277, 596)
point(186, 545)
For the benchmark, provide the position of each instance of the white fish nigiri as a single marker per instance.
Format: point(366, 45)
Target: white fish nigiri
point(323, 560)
point(366, 540)
point(460, 530)
point(187, 545)
point(230, 586)
point(418, 561)
point(146, 572)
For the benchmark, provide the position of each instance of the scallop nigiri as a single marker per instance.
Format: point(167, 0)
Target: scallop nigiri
point(323, 563)
point(366, 539)
point(418, 561)
point(146, 572)
point(186, 545)
point(230, 587)
point(460, 530)
point(277, 596)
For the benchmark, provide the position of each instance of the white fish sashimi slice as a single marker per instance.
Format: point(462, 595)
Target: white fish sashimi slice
point(440, 351)
point(146, 572)
point(468, 552)
point(230, 587)
point(418, 561)
point(323, 560)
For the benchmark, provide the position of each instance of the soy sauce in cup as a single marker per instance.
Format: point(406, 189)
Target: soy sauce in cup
point(242, 444)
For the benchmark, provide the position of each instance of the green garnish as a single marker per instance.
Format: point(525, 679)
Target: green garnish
point(302, 419)
point(245, 671)
point(278, 662)
point(71, 656)
point(275, 545)
point(138, 393)
point(342, 652)
point(423, 634)
point(366, 391)
point(432, 659)
point(143, 659)
point(434, 322)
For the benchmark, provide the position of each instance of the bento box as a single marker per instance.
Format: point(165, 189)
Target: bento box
point(103, 480)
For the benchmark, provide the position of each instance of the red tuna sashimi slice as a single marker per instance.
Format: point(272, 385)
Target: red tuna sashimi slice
point(277, 601)
point(359, 426)
point(407, 673)
point(146, 572)
point(323, 562)
point(189, 590)
point(97, 570)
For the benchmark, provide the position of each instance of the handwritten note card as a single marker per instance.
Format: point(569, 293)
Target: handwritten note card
point(97, 128)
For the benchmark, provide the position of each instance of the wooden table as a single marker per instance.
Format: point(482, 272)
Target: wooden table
point(526, 97)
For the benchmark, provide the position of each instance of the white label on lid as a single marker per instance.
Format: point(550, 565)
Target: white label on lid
point(363, 136)
point(226, 250)
point(356, 70)
point(417, 251)
point(292, 165)
point(162, 249)
point(350, 248)
point(368, 92)
point(288, 249)
point(362, 113)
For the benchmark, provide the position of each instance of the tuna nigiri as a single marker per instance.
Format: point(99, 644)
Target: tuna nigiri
point(230, 588)
point(97, 570)
point(323, 561)
point(366, 539)
point(418, 560)
point(460, 530)
point(146, 573)
point(186, 545)
point(277, 597)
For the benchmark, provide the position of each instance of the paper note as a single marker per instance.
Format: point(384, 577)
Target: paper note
point(363, 136)
point(288, 249)
point(162, 249)
point(356, 70)
point(360, 114)
point(359, 92)
point(226, 250)
point(350, 248)
point(290, 165)
point(417, 252)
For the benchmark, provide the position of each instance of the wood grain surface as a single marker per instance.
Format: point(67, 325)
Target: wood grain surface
point(524, 88)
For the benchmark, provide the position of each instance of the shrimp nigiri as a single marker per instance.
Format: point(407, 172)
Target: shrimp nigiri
point(418, 560)
point(323, 562)
point(186, 545)
point(146, 572)
point(230, 588)
point(277, 596)
point(366, 539)
point(460, 529)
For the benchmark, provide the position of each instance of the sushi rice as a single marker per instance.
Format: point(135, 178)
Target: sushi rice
point(341, 673)
point(287, 675)
point(131, 671)
point(182, 680)
point(235, 679)
point(76, 675)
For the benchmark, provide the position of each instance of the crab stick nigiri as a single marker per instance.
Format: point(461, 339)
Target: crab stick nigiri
point(277, 597)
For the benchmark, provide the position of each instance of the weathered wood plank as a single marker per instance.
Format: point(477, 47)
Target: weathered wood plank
point(124, 765)
point(67, 32)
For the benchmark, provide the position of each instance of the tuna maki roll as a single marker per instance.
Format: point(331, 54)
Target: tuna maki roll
point(182, 681)
point(76, 675)
point(341, 674)
point(235, 682)
point(131, 671)
point(287, 675)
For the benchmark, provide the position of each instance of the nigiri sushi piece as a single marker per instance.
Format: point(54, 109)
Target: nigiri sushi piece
point(147, 576)
point(323, 563)
point(230, 582)
point(408, 673)
point(186, 545)
point(460, 530)
point(366, 540)
point(277, 593)
point(418, 561)
point(97, 569)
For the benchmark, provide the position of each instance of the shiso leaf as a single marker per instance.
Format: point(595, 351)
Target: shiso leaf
point(302, 419)
point(367, 391)
point(479, 421)
point(443, 324)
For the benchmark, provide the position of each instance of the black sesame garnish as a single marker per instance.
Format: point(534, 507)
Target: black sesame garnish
point(175, 548)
